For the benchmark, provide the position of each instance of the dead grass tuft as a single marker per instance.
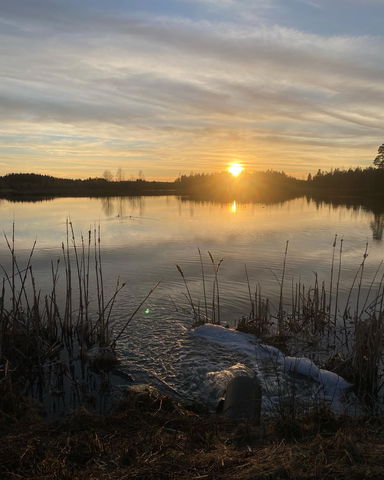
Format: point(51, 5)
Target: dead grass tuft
point(154, 437)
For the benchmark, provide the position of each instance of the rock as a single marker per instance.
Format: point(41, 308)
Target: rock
point(243, 398)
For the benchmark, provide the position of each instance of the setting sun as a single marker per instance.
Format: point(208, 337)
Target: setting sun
point(235, 169)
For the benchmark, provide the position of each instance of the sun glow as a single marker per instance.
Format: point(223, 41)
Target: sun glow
point(235, 169)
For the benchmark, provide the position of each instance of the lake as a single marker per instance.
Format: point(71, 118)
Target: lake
point(144, 238)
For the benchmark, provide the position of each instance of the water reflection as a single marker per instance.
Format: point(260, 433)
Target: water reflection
point(121, 207)
point(358, 206)
point(377, 226)
point(134, 206)
point(344, 210)
point(107, 206)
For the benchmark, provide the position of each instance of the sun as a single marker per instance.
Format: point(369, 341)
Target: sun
point(235, 169)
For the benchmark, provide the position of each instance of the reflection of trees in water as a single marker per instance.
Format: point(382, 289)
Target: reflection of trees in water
point(135, 206)
point(107, 206)
point(377, 226)
point(123, 206)
point(374, 206)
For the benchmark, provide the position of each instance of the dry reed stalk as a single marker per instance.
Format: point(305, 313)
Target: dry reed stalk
point(331, 279)
point(251, 301)
point(365, 255)
point(338, 282)
point(216, 292)
point(100, 271)
point(79, 267)
point(363, 309)
point(280, 315)
point(203, 278)
point(117, 337)
point(188, 292)
point(367, 357)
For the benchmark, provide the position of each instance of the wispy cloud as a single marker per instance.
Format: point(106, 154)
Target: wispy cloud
point(171, 93)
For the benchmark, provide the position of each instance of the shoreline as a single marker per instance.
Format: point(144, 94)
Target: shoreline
point(151, 436)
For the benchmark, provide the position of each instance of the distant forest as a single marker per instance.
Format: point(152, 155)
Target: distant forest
point(358, 182)
point(270, 185)
point(31, 184)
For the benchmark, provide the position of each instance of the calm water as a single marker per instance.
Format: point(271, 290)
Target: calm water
point(144, 238)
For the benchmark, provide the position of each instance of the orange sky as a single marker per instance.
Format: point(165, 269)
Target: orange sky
point(164, 88)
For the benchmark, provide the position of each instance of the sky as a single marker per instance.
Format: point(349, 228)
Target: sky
point(177, 86)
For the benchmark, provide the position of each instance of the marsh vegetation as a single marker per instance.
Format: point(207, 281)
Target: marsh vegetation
point(58, 347)
point(345, 335)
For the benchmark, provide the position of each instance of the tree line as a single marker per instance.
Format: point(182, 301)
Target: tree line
point(268, 185)
point(28, 184)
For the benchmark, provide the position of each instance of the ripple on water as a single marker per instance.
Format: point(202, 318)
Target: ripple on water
point(197, 365)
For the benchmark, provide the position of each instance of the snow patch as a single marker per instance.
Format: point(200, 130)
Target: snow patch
point(245, 343)
point(329, 386)
point(330, 381)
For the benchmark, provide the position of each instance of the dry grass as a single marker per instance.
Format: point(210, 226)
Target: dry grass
point(153, 437)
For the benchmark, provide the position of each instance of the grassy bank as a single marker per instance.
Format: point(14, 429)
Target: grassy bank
point(151, 437)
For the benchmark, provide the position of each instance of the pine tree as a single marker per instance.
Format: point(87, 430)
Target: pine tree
point(379, 160)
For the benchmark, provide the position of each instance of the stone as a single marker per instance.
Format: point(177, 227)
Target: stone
point(243, 398)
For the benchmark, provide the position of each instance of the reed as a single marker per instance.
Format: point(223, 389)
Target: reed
point(212, 314)
point(346, 335)
point(354, 337)
point(367, 357)
point(280, 314)
point(50, 341)
point(196, 315)
point(204, 287)
point(216, 291)
point(259, 319)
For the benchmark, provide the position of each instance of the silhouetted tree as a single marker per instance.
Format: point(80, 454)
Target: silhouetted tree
point(107, 175)
point(120, 175)
point(379, 160)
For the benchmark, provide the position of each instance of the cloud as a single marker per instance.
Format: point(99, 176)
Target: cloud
point(150, 87)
